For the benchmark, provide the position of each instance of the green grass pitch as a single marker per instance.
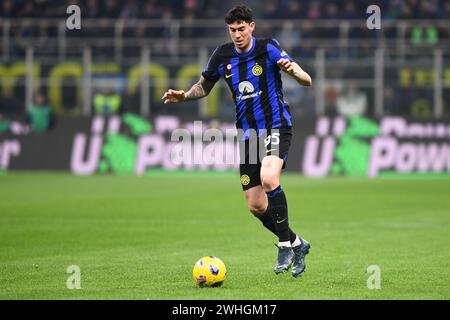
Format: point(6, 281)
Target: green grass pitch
point(139, 237)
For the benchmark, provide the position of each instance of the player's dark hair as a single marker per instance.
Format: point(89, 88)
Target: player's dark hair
point(239, 13)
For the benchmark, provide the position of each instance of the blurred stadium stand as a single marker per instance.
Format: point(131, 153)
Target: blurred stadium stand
point(402, 69)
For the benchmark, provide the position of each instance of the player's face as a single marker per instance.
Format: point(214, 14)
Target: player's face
point(241, 34)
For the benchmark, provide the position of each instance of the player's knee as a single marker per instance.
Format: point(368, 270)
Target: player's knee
point(269, 182)
point(256, 208)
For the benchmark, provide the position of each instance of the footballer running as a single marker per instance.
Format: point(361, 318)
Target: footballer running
point(251, 68)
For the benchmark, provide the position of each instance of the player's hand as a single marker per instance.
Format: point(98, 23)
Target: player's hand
point(286, 66)
point(173, 96)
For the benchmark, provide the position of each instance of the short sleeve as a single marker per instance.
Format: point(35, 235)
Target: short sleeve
point(276, 52)
point(211, 71)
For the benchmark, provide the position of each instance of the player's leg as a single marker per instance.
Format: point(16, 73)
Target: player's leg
point(255, 196)
point(257, 202)
point(270, 177)
point(277, 146)
point(270, 180)
point(251, 183)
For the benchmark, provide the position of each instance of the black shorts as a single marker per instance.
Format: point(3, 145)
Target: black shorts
point(274, 142)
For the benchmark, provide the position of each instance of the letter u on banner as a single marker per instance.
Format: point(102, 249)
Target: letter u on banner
point(77, 164)
point(320, 168)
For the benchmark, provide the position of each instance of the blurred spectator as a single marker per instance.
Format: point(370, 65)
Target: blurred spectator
point(73, 2)
point(5, 124)
point(44, 35)
point(314, 10)
point(428, 9)
point(432, 35)
point(29, 11)
point(294, 10)
point(53, 9)
point(289, 36)
point(110, 9)
point(192, 8)
point(93, 10)
point(352, 102)
point(167, 16)
point(39, 115)
point(445, 13)
point(394, 9)
point(270, 10)
point(130, 10)
point(331, 94)
point(107, 102)
point(406, 11)
point(391, 102)
point(331, 11)
point(349, 11)
point(421, 108)
point(152, 9)
point(8, 10)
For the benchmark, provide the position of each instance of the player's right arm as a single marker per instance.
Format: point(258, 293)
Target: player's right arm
point(295, 71)
point(199, 90)
point(203, 87)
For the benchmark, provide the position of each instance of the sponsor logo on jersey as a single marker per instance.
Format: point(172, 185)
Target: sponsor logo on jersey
point(247, 89)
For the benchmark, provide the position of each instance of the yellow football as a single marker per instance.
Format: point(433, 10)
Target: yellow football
point(209, 271)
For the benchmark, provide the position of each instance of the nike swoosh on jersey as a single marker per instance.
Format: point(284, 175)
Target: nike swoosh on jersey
point(228, 75)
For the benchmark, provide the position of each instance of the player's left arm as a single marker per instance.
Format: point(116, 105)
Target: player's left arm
point(295, 71)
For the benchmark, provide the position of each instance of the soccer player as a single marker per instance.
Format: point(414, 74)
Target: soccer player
point(251, 68)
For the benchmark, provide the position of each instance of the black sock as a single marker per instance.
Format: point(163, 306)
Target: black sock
point(268, 221)
point(278, 207)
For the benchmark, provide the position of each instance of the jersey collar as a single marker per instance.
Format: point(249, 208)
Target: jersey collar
point(243, 54)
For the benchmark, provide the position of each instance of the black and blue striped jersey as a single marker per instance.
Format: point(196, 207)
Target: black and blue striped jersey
point(254, 79)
